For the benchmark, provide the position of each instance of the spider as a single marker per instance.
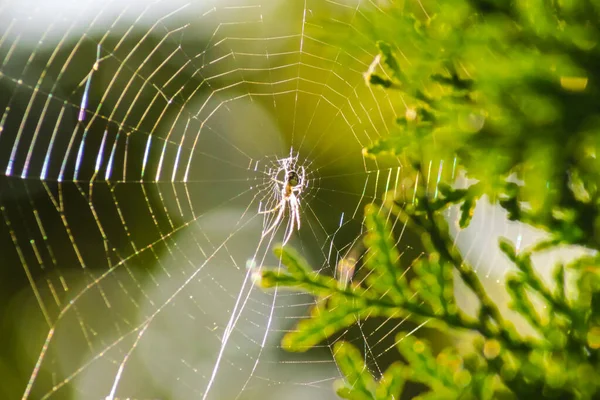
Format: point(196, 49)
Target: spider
point(291, 189)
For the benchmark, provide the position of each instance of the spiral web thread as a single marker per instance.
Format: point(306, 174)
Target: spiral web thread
point(139, 141)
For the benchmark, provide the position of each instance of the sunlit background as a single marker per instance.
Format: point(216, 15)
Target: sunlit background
point(138, 142)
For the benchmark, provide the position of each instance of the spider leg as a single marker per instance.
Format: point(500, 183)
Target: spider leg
point(273, 209)
point(278, 219)
point(290, 228)
point(277, 207)
point(294, 205)
point(303, 176)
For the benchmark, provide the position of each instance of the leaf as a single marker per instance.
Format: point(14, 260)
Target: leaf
point(298, 275)
point(361, 384)
point(507, 248)
point(425, 368)
point(454, 81)
point(296, 265)
point(450, 194)
point(391, 383)
point(390, 60)
point(388, 279)
point(467, 209)
point(515, 286)
point(436, 396)
point(427, 285)
point(347, 393)
point(325, 322)
point(377, 80)
point(393, 144)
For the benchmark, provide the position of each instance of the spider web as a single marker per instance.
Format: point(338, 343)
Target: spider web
point(138, 145)
point(139, 141)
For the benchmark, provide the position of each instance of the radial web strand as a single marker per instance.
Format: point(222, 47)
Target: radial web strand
point(140, 144)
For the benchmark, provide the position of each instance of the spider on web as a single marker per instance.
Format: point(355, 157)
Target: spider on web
point(288, 191)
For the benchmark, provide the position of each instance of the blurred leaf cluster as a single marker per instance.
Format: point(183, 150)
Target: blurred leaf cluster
point(510, 90)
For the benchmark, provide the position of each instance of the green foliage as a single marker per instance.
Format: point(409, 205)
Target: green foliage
point(510, 90)
point(562, 362)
